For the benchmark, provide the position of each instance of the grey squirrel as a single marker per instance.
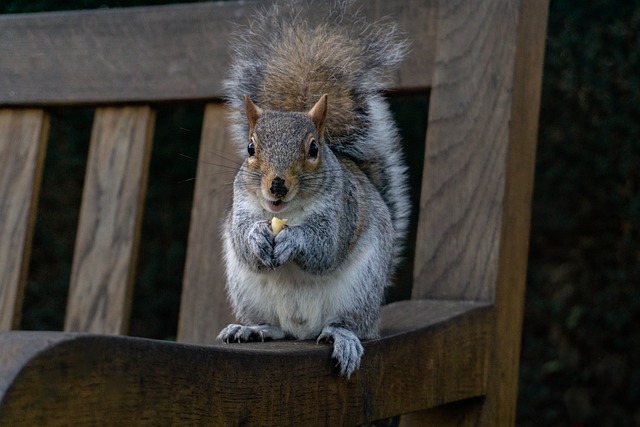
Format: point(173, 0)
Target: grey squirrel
point(320, 149)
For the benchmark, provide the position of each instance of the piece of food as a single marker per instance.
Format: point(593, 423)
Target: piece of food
point(277, 224)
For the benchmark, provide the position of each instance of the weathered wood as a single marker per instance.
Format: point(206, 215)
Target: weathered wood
point(500, 405)
point(110, 221)
point(464, 166)
point(472, 234)
point(204, 307)
point(88, 379)
point(23, 136)
point(160, 53)
point(462, 413)
point(480, 210)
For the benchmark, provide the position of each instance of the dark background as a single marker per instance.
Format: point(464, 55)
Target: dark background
point(581, 347)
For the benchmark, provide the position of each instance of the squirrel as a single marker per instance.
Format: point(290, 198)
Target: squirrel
point(320, 149)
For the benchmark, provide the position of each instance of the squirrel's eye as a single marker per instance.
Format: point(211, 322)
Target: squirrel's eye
point(251, 148)
point(313, 149)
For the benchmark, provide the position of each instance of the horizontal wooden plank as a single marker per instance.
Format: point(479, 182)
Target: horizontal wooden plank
point(159, 53)
point(441, 355)
point(23, 136)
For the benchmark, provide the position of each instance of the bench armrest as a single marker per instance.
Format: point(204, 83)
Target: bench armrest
point(54, 377)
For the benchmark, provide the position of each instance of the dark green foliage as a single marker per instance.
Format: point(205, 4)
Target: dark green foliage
point(581, 349)
point(581, 353)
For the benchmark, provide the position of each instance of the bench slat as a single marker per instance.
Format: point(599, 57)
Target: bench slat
point(471, 242)
point(179, 52)
point(23, 136)
point(204, 307)
point(110, 220)
point(465, 156)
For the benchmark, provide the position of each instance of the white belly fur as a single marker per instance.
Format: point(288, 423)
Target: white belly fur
point(298, 302)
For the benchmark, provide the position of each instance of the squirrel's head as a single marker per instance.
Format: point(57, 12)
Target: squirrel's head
point(285, 151)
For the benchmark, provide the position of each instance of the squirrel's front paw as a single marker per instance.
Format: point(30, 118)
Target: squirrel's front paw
point(285, 246)
point(261, 242)
point(242, 333)
point(347, 349)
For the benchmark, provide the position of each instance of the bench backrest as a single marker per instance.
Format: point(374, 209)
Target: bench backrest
point(479, 60)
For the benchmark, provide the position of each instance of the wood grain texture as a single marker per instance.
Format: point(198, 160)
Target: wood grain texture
point(463, 413)
point(497, 203)
point(484, 61)
point(88, 379)
point(110, 221)
point(161, 53)
point(205, 309)
point(23, 137)
point(500, 406)
point(465, 158)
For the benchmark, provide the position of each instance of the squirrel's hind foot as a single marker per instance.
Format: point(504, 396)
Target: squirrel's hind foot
point(347, 349)
point(242, 333)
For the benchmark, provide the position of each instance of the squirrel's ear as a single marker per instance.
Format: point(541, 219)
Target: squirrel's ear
point(319, 112)
point(252, 111)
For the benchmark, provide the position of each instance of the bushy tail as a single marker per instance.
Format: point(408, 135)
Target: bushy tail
point(292, 53)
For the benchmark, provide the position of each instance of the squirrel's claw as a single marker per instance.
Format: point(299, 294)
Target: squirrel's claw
point(347, 349)
point(228, 333)
point(242, 333)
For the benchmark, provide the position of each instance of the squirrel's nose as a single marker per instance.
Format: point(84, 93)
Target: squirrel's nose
point(278, 187)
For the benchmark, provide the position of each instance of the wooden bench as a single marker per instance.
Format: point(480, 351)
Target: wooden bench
point(448, 356)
